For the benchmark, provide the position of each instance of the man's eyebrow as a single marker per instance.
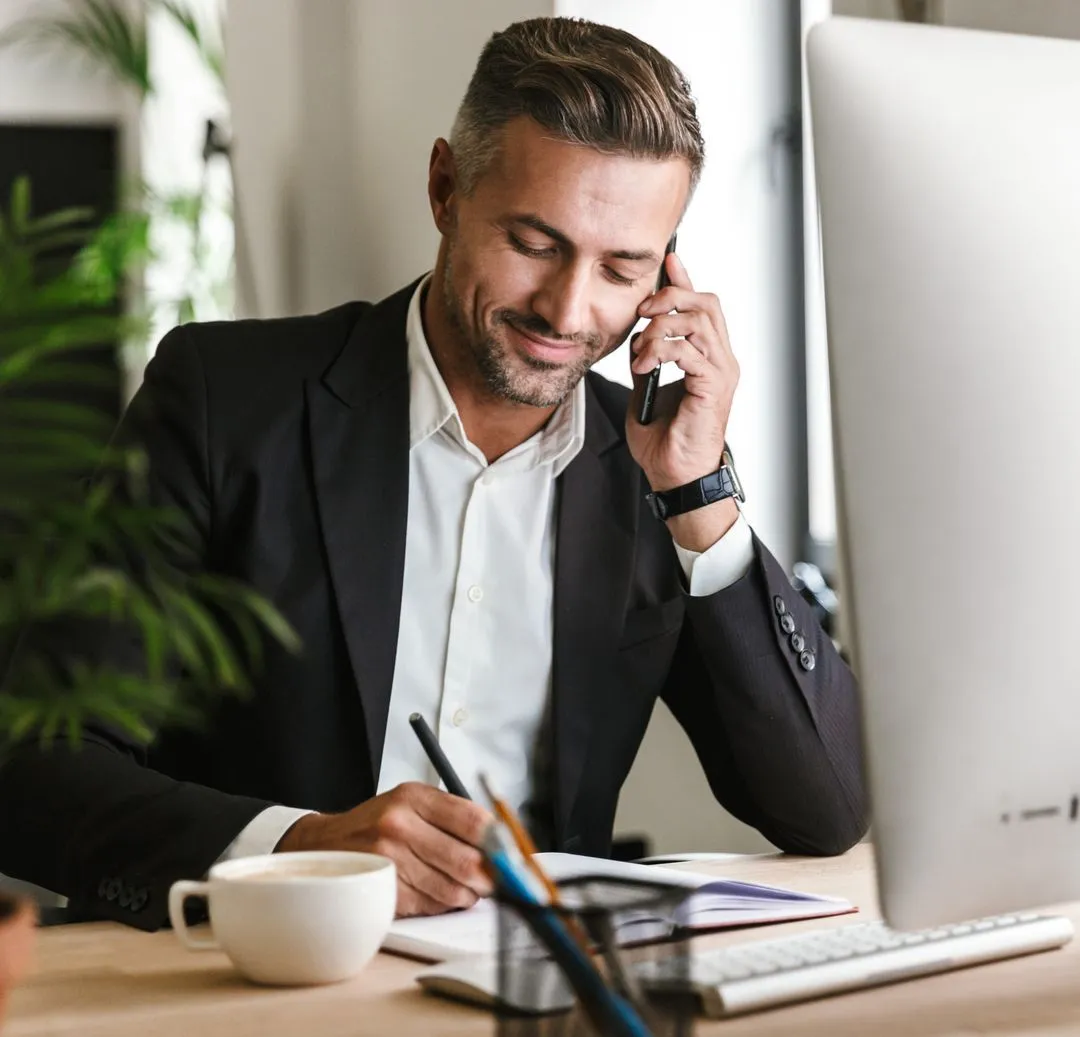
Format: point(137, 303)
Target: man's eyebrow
point(634, 256)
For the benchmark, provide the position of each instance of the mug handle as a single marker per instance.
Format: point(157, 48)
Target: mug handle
point(178, 895)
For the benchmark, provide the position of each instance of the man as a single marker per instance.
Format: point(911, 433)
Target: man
point(452, 511)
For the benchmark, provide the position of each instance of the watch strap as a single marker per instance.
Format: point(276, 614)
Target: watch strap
point(716, 486)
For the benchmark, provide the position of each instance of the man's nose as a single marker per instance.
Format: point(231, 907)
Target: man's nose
point(563, 300)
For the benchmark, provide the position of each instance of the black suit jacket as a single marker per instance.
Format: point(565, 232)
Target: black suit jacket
point(286, 442)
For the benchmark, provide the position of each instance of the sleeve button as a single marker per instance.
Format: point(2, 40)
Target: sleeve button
point(787, 623)
point(807, 660)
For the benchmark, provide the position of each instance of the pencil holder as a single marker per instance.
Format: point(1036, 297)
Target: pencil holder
point(631, 936)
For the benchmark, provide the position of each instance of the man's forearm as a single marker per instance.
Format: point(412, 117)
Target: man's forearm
point(773, 716)
point(109, 834)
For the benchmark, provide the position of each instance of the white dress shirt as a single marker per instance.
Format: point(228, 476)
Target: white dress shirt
point(474, 649)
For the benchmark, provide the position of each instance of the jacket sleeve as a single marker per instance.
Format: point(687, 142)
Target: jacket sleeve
point(93, 822)
point(775, 723)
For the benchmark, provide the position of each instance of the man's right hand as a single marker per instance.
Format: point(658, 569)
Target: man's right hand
point(430, 835)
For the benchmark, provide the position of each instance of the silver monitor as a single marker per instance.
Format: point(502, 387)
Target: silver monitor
point(948, 169)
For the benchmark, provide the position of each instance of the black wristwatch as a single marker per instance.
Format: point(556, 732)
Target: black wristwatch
point(709, 489)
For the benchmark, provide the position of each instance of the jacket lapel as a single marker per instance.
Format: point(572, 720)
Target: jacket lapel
point(596, 529)
point(358, 416)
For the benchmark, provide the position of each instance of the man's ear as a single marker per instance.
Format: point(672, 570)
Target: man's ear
point(442, 186)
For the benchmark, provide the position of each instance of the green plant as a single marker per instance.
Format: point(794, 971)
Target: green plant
point(93, 550)
point(110, 36)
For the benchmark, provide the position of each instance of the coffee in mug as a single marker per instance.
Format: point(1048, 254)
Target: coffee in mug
point(291, 919)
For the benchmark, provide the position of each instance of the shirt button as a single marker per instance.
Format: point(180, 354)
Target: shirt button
point(487, 479)
point(459, 717)
point(476, 593)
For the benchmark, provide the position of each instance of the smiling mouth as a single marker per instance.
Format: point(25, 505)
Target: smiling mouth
point(546, 349)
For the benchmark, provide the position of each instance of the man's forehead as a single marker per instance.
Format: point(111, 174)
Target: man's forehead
point(571, 184)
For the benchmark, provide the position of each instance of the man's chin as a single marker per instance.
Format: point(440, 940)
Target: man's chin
point(537, 391)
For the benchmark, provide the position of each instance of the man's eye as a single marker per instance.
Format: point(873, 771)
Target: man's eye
point(619, 278)
point(525, 250)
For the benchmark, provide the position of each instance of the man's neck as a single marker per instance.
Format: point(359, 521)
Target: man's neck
point(493, 425)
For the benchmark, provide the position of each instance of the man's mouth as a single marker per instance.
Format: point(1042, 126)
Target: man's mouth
point(553, 351)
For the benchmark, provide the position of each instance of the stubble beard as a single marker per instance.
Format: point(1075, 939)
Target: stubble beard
point(504, 373)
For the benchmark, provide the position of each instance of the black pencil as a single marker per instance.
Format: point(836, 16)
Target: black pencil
point(437, 757)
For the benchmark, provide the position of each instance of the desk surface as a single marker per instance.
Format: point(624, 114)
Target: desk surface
point(104, 980)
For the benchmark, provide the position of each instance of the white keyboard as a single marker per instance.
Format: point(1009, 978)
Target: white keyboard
point(752, 976)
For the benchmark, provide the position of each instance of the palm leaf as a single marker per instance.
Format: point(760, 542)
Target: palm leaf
point(213, 56)
point(56, 414)
point(104, 32)
point(106, 555)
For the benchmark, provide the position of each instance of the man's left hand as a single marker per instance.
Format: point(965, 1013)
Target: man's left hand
point(685, 439)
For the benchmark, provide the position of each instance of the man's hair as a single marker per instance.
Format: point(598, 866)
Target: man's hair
point(586, 84)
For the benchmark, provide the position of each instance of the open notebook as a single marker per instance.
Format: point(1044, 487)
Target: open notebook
point(711, 903)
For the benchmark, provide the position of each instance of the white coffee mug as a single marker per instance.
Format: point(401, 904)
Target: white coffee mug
point(291, 919)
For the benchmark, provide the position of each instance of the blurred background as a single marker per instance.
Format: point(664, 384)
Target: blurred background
point(271, 156)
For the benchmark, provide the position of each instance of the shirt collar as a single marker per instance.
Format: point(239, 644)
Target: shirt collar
point(432, 408)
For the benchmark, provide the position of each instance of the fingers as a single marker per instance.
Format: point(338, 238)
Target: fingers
point(674, 297)
point(695, 326)
point(443, 831)
point(433, 890)
point(444, 872)
point(681, 351)
point(461, 818)
point(412, 901)
point(422, 890)
point(686, 302)
point(658, 343)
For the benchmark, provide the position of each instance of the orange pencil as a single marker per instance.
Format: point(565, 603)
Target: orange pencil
point(528, 850)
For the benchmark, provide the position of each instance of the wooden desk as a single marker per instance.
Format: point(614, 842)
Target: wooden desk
point(104, 980)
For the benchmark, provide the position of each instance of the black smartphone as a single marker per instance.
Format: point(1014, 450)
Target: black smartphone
point(652, 380)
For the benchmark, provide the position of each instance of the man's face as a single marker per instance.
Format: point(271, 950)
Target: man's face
point(549, 258)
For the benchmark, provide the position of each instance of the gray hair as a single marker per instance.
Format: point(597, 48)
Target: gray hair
point(585, 83)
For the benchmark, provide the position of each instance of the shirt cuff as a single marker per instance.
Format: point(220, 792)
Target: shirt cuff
point(262, 833)
point(725, 563)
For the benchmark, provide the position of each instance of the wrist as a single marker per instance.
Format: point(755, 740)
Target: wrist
point(698, 530)
point(303, 835)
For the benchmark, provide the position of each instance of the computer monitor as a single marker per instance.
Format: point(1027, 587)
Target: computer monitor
point(948, 169)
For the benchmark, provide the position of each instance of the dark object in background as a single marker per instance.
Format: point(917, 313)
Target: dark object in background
point(810, 583)
point(631, 848)
point(70, 167)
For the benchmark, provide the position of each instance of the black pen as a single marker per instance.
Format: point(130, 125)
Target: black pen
point(437, 757)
